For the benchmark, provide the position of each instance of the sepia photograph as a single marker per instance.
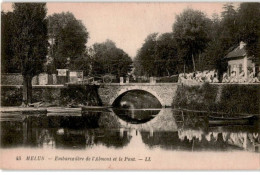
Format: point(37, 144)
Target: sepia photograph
point(130, 86)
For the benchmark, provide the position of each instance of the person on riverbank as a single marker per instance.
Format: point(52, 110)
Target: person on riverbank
point(225, 78)
point(198, 76)
point(233, 78)
point(215, 77)
point(252, 78)
point(241, 77)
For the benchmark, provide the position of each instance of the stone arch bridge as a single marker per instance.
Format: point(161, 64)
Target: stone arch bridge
point(164, 92)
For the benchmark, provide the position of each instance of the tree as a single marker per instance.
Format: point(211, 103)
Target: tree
point(191, 33)
point(146, 57)
point(158, 56)
point(249, 27)
point(167, 60)
point(214, 52)
point(108, 59)
point(8, 64)
point(68, 38)
point(223, 37)
point(29, 42)
point(81, 63)
point(229, 31)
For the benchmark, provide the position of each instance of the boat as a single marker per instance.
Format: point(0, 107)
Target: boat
point(242, 120)
point(63, 110)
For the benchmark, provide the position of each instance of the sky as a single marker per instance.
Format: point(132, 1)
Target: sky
point(127, 24)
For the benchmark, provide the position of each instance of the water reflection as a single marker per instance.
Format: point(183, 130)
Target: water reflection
point(136, 116)
point(136, 106)
point(168, 130)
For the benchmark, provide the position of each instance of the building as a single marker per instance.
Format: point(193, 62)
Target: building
point(75, 76)
point(238, 61)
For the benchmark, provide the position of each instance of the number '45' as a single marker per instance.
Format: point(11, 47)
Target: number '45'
point(147, 159)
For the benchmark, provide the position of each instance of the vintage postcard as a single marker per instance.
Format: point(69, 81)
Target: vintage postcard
point(130, 86)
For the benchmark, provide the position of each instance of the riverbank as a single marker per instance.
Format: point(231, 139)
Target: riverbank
point(227, 98)
point(53, 95)
point(44, 110)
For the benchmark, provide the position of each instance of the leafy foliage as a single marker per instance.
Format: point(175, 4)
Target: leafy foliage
point(29, 37)
point(108, 59)
point(198, 40)
point(249, 27)
point(68, 37)
point(25, 42)
point(146, 56)
point(8, 63)
point(158, 56)
point(191, 31)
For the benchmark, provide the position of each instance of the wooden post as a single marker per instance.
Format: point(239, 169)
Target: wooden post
point(121, 80)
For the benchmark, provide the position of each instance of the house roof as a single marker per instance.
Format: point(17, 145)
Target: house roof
point(239, 51)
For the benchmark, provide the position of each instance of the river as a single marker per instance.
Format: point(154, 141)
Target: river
point(149, 129)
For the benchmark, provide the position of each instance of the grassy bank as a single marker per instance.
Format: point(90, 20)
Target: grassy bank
point(228, 98)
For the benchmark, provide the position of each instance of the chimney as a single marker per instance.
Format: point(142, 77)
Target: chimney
point(242, 45)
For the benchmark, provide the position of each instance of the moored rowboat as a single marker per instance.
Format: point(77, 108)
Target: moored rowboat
point(244, 120)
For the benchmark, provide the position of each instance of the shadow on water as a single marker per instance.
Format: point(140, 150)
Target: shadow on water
point(168, 130)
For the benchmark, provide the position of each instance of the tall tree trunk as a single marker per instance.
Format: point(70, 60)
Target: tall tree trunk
point(193, 62)
point(27, 90)
point(25, 94)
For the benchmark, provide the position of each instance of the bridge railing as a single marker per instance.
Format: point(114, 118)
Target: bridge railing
point(153, 80)
point(168, 79)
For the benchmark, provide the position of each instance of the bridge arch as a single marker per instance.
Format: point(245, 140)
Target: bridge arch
point(147, 89)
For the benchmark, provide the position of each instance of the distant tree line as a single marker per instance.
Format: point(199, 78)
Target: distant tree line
point(200, 43)
point(32, 42)
point(66, 47)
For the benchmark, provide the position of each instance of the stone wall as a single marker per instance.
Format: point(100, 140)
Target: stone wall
point(11, 79)
point(13, 95)
point(54, 95)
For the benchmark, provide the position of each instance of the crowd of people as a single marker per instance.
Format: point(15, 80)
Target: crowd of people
point(241, 78)
point(213, 77)
point(199, 76)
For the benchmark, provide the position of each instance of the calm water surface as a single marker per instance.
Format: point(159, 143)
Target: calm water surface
point(119, 128)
